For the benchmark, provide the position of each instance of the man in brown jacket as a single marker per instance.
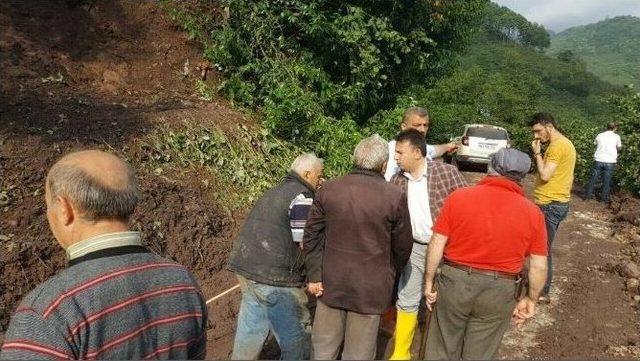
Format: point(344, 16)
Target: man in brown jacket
point(357, 238)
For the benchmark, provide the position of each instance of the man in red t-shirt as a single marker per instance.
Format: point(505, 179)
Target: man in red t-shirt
point(485, 233)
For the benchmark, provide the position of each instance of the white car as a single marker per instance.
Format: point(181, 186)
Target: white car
point(477, 143)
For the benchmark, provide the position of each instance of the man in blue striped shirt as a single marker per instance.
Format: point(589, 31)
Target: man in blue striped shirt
point(267, 258)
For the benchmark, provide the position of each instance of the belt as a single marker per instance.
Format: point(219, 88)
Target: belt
point(422, 243)
point(486, 272)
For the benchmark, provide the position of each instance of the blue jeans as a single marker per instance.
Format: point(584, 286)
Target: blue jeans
point(607, 170)
point(283, 310)
point(554, 213)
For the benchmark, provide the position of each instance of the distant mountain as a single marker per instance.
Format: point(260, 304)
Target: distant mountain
point(609, 48)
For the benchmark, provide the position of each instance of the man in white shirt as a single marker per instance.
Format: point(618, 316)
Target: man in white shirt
point(608, 144)
point(427, 184)
point(415, 118)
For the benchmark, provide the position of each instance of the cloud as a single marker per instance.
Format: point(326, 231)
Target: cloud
point(558, 15)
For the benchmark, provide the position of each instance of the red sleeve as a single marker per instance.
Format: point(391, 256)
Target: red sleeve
point(443, 222)
point(538, 244)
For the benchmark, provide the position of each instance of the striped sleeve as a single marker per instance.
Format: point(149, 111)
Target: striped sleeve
point(31, 337)
point(298, 213)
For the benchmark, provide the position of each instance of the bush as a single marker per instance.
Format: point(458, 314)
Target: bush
point(323, 74)
point(247, 162)
point(318, 70)
point(628, 119)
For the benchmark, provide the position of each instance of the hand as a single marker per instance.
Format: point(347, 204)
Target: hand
point(452, 146)
point(315, 288)
point(430, 295)
point(525, 309)
point(536, 146)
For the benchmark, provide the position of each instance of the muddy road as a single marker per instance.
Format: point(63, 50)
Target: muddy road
point(591, 314)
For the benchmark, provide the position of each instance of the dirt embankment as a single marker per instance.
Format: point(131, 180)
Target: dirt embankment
point(102, 74)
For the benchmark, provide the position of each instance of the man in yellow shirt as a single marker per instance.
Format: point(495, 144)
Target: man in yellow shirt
point(552, 191)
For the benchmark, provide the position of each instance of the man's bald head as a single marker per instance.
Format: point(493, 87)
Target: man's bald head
point(100, 185)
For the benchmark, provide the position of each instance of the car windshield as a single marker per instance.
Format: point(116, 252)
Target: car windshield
point(487, 133)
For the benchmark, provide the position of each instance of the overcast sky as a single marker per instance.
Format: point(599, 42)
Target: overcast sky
point(558, 15)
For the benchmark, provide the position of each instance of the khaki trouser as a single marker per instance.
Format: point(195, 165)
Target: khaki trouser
point(411, 283)
point(332, 326)
point(472, 313)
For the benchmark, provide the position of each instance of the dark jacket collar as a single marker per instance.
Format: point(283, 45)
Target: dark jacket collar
point(295, 177)
point(367, 172)
point(502, 182)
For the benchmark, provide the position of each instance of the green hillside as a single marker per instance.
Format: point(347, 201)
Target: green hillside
point(502, 80)
point(330, 73)
point(610, 48)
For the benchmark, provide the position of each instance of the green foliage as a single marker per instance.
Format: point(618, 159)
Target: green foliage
point(204, 90)
point(628, 119)
point(609, 48)
point(501, 23)
point(317, 70)
point(249, 163)
point(322, 74)
point(503, 84)
point(192, 22)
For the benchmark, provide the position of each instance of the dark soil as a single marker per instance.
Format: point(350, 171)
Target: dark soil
point(594, 317)
point(104, 74)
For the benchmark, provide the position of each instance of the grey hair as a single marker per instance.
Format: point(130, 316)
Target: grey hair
point(421, 112)
point(371, 153)
point(306, 162)
point(95, 200)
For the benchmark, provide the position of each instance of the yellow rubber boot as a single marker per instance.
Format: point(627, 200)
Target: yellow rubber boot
point(406, 323)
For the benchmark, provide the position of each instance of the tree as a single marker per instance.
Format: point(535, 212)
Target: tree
point(628, 119)
point(501, 23)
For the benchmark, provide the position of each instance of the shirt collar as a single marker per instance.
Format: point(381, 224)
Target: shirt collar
point(502, 182)
point(103, 241)
point(422, 175)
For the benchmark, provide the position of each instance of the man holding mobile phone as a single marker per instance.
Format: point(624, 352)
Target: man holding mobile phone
point(552, 190)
